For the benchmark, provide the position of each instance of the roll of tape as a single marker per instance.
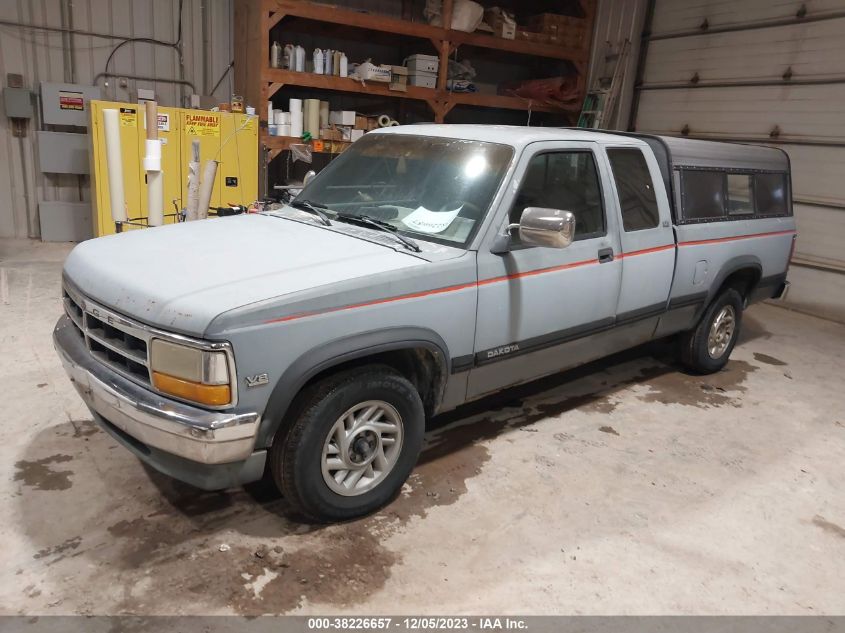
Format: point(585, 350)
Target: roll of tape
point(393, 123)
point(384, 121)
point(152, 159)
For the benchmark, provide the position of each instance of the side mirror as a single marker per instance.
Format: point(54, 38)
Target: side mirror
point(308, 177)
point(552, 228)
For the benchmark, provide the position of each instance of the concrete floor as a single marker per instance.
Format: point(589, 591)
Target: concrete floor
point(623, 487)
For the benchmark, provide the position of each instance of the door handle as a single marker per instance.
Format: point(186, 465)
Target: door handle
point(605, 255)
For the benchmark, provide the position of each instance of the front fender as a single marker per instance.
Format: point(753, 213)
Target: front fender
point(339, 351)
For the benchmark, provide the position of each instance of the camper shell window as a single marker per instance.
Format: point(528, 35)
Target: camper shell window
point(710, 195)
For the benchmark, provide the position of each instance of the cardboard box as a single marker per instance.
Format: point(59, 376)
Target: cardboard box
point(552, 23)
point(398, 78)
point(342, 117)
point(505, 30)
point(372, 123)
point(422, 64)
point(361, 122)
point(331, 134)
point(356, 134)
point(502, 22)
point(423, 80)
point(370, 72)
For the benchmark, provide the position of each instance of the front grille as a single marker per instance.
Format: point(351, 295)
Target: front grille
point(111, 339)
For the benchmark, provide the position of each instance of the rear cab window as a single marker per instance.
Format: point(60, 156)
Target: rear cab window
point(635, 188)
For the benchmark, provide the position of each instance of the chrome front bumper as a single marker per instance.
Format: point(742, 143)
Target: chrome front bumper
point(195, 434)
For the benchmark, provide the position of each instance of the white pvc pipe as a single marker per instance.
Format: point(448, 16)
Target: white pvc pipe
point(193, 182)
point(207, 186)
point(155, 191)
point(114, 161)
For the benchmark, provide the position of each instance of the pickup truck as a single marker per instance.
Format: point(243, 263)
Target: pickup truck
point(425, 267)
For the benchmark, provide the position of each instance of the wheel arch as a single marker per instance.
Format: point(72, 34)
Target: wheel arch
point(742, 272)
point(420, 352)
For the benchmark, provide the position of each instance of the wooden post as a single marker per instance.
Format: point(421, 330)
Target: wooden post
point(445, 50)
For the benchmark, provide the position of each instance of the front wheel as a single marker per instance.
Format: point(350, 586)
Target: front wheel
point(707, 348)
point(355, 440)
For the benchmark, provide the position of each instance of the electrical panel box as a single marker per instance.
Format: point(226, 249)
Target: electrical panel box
point(63, 153)
point(67, 104)
point(17, 102)
point(231, 139)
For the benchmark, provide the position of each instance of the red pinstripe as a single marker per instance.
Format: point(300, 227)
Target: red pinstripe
point(529, 273)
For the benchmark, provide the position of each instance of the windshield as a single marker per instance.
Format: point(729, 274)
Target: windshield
point(430, 188)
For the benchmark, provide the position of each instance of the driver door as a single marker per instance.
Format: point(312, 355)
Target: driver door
point(540, 309)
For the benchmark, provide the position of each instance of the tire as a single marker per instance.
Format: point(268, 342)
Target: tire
point(697, 347)
point(303, 463)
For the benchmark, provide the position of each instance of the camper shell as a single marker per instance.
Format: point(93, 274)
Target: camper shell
point(767, 167)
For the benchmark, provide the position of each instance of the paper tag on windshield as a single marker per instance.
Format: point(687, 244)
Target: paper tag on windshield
point(426, 221)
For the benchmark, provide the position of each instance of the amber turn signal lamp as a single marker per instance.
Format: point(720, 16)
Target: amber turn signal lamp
point(211, 395)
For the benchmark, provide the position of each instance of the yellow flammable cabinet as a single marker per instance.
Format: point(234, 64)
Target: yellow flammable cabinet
point(231, 139)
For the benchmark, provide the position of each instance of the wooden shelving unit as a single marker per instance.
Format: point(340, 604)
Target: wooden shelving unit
point(258, 82)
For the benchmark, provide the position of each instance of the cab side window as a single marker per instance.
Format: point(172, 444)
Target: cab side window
point(637, 198)
point(567, 181)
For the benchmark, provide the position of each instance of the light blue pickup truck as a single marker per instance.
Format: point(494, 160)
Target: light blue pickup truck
point(425, 267)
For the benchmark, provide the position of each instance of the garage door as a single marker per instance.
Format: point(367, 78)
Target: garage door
point(763, 71)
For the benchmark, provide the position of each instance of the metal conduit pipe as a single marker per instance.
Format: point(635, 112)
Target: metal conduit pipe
point(66, 30)
point(184, 82)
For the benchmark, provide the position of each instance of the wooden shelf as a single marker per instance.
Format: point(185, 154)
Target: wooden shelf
point(277, 144)
point(278, 78)
point(257, 82)
point(339, 15)
point(348, 17)
point(523, 47)
point(342, 84)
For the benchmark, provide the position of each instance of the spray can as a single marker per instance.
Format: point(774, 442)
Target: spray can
point(318, 61)
point(328, 64)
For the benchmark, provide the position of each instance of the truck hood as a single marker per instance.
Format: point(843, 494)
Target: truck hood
point(180, 277)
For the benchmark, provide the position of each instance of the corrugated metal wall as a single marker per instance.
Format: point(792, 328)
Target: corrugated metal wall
point(56, 57)
point(617, 21)
point(769, 71)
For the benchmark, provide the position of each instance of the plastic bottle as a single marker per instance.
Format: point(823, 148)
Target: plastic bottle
point(288, 57)
point(300, 59)
point(344, 65)
point(319, 61)
point(275, 55)
point(328, 64)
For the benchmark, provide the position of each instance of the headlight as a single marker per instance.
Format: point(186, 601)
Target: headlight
point(190, 373)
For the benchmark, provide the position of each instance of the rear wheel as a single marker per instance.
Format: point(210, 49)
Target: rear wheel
point(355, 440)
point(707, 348)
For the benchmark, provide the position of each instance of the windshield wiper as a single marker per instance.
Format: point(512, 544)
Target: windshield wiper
point(380, 225)
point(312, 207)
